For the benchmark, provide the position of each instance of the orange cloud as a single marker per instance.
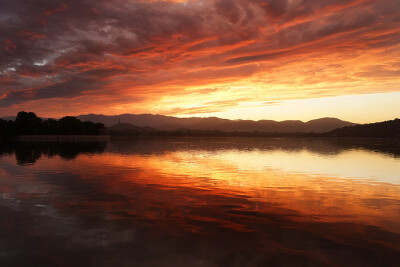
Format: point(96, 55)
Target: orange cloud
point(164, 56)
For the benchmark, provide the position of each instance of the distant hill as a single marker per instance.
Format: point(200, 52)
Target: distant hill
point(379, 129)
point(127, 127)
point(212, 123)
point(9, 118)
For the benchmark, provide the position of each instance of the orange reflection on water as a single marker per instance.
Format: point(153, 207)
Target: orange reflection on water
point(315, 197)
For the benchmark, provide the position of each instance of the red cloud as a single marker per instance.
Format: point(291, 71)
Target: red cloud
point(9, 46)
point(62, 8)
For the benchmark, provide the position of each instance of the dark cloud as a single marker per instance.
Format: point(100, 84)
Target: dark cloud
point(273, 8)
point(256, 58)
point(229, 10)
point(65, 89)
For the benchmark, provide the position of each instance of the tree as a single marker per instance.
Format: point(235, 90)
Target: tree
point(28, 123)
point(6, 127)
point(70, 125)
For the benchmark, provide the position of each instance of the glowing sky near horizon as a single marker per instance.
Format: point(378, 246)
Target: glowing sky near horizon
point(237, 59)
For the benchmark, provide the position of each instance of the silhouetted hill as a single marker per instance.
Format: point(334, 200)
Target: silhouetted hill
point(379, 129)
point(212, 123)
point(129, 127)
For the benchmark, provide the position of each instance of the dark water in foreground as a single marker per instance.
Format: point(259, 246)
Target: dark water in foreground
point(207, 202)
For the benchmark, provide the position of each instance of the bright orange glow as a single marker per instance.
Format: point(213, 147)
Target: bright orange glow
point(230, 173)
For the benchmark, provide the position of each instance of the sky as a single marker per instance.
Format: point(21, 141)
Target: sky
point(236, 59)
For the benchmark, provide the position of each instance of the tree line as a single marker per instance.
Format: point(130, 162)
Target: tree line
point(385, 129)
point(28, 123)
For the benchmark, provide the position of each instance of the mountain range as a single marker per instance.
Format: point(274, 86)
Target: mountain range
point(162, 122)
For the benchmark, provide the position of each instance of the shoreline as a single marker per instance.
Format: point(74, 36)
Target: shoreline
point(60, 137)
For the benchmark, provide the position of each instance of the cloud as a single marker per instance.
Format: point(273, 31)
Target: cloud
point(68, 89)
point(57, 51)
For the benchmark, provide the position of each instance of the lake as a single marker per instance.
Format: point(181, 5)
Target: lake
point(200, 202)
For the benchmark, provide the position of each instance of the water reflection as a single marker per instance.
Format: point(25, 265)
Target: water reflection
point(27, 153)
point(208, 202)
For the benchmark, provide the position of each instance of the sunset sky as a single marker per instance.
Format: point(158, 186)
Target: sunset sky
point(236, 59)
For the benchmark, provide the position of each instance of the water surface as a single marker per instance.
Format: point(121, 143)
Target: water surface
point(200, 202)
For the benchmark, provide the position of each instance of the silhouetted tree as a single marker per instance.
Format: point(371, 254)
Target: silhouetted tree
point(28, 123)
point(70, 125)
point(6, 127)
point(388, 129)
point(50, 126)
